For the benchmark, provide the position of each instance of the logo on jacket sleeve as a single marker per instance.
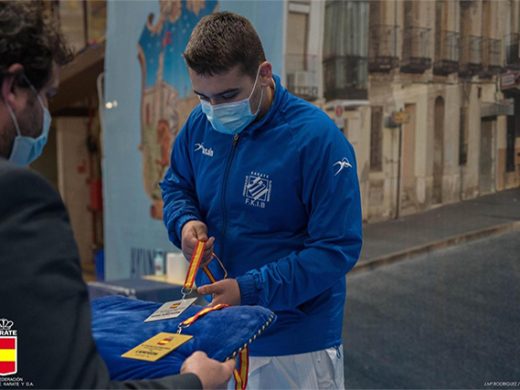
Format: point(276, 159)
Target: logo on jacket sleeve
point(257, 189)
point(8, 348)
point(342, 164)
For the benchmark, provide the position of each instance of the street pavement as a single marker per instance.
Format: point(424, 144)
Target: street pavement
point(446, 319)
point(451, 224)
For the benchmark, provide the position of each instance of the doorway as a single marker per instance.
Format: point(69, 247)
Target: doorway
point(408, 193)
point(438, 150)
point(486, 157)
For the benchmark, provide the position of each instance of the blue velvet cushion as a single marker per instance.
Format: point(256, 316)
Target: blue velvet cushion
point(118, 326)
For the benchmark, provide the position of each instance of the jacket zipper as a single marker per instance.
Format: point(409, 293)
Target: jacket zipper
point(236, 138)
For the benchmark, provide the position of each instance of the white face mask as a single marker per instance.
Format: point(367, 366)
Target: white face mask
point(232, 118)
point(27, 149)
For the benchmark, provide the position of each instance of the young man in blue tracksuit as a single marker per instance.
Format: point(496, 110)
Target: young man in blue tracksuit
point(270, 183)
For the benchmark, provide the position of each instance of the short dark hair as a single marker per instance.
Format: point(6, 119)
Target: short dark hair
point(221, 41)
point(30, 38)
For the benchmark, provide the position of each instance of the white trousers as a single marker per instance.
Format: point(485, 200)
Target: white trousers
point(314, 370)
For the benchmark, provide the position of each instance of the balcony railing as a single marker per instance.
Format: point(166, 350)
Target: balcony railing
point(512, 51)
point(471, 55)
point(302, 75)
point(345, 77)
point(382, 48)
point(416, 50)
point(447, 52)
point(491, 56)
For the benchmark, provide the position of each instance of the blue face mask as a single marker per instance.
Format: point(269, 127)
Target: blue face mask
point(231, 118)
point(27, 149)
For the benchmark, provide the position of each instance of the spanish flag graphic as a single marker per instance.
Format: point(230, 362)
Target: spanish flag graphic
point(7, 356)
point(165, 341)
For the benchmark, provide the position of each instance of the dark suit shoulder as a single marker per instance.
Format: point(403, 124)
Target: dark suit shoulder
point(13, 175)
point(21, 186)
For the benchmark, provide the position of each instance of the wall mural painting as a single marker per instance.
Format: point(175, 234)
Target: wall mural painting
point(166, 98)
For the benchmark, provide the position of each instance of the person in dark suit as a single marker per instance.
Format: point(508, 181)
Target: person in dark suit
point(42, 292)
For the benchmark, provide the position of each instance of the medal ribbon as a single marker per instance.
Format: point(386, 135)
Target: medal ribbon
point(203, 312)
point(209, 274)
point(241, 372)
point(196, 258)
point(195, 261)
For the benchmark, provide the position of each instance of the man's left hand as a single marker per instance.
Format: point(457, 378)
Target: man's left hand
point(224, 291)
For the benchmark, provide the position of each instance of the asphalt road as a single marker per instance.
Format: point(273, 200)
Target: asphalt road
point(449, 319)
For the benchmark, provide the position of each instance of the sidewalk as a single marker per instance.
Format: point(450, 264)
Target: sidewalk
point(390, 241)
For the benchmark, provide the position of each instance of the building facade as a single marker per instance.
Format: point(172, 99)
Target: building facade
point(426, 91)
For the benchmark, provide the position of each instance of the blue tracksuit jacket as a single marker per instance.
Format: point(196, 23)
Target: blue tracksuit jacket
point(282, 200)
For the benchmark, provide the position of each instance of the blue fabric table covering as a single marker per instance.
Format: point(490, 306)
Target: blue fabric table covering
point(118, 326)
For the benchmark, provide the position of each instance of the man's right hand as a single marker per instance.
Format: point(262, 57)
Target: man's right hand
point(192, 233)
point(212, 373)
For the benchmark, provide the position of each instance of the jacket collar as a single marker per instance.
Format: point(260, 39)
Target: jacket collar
point(279, 95)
